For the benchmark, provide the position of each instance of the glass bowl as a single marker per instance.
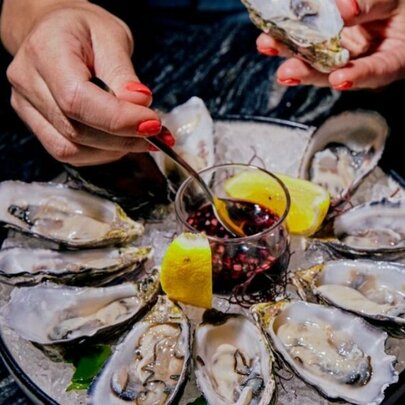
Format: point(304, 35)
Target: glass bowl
point(251, 268)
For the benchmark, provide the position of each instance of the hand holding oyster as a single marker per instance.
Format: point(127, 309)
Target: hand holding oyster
point(310, 28)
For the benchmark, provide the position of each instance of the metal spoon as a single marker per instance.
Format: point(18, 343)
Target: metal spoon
point(221, 206)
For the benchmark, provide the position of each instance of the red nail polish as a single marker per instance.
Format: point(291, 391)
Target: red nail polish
point(344, 86)
point(356, 8)
point(268, 51)
point(289, 82)
point(152, 148)
point(150, 127)
point(168, 139)
point(139, 87)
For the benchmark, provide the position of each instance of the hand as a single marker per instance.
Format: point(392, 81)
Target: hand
point(66, 44)
point(374, 34)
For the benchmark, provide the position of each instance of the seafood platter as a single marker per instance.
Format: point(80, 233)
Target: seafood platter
point(77, 270)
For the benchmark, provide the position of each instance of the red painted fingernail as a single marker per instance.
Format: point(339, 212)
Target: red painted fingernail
point(268, 51)
point(344, 86)
point(139, 87)
point(168, 138)
point(289, 82)
point(152, 148)
point(356, 8)
point(150, 127)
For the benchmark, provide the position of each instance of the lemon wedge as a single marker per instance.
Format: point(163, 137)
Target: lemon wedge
point(309, 202)
point(186, 270)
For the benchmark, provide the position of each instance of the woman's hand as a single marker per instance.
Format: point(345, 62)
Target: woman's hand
point(374, 34)
point(58, 46)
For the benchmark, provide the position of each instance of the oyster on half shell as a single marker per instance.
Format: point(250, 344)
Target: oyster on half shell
point(310, 28)
point(91, 266)
point(233, 362)
point(340, 354)
point(372, 289)
point(150, 365)
point(64, 215)
point(51, 314)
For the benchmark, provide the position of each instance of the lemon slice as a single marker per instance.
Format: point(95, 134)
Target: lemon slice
point(186, 270)
point(309, 202)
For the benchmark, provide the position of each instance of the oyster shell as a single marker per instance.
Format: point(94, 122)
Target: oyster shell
point(344, 150)
point(338, 353)
point(67, 216)
point(150, 365)
point(310, 28)
point(375, 290)
point(31, 266)
point(233, 362)
point(373, 229)
point(48, 313)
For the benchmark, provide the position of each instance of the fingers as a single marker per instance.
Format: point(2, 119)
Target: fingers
point(376, 70)
point(361, 11)
point(268, 46)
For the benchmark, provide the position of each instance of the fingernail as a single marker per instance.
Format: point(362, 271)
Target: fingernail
point(356, 8)
point(139, 87)
point(150, 127)
point(168, 139)
point(289, 82)
point(344, 86)
point(268, 51)
point(152, 148)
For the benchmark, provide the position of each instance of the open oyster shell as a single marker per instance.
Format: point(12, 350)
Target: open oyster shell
point(64, 215)
point(20, 266)
point(338, 353)
point(233, 362)
point(51, 314)
point(372, 289)
point(310, 28)
point(343, 151)
point(150, 365)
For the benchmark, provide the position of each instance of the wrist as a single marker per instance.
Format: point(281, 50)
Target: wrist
point(18, 17)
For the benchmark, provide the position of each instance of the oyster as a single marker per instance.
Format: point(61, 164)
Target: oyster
point(338, 353)
point(192, 126)
point(50, 314)
point(375, 290)
point(233, 362)
point(32, 266)
point(150, 365)
point(374, 229)
point(310, 28)
point(67, 216)
point(344, 150)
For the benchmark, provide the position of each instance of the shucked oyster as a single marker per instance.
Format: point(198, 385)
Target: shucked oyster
point(50, 314)
point(338, 353)
point(150, 365)
point(31, 266)
point(375, 290)
point(70, 217)
point(343, 151)
point(233, 362)
point(310, 28)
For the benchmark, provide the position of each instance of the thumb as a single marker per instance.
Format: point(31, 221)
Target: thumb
point(361, 11)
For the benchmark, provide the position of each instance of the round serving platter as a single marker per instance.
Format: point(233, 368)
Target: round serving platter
point(259, 141)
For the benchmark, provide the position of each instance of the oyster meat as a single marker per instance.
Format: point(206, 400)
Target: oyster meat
point(233, 362)
point(344, 150)
point(310, 28)
point(375, 229)
point(67, 216)
point(338, 353)
point(48, 313)
point(32, 266)
point(375, 290)
point(150, 365)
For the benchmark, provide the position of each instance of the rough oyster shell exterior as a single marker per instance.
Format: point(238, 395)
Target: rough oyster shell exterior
point(310, 28)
